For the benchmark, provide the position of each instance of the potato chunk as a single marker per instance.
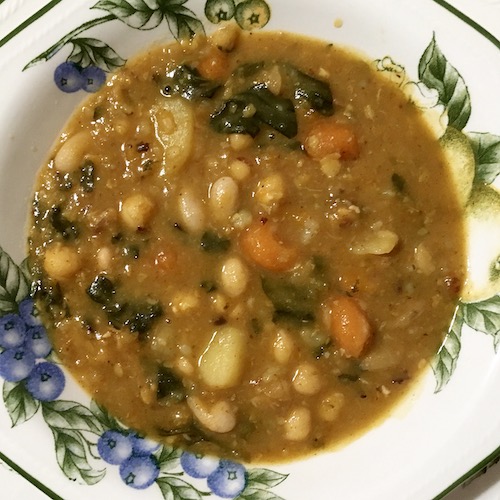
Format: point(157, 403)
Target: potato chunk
point(222, 362)
point(173, 120)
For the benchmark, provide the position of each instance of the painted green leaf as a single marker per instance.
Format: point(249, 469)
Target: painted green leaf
point(25, 269)
point(182, 23)
point(265, 478)
point(251, 493)
point(90, 51)
point(107, 421)
point(137, 14)
point(71, 454)
point(168, 458)
point(173, 488)
point(19, 403)
point(484, 317)
point(70, 415)
point(437, 73)
point(445, 361)
point(14, 286)
point(486, 149)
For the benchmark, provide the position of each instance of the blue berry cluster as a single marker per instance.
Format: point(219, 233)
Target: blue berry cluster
point(139, 468)
point(69, 77)
point(225, 478)
point(25, 343)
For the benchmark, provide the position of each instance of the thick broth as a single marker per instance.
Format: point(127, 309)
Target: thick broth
point(248, 291)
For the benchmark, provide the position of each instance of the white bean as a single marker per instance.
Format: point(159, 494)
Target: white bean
point(72, 153)
point(234, 277)
point(223, 198)
point(104, 258)
point(283, 347)
point(61, 262)
point(219, 417)
point(221, 365)
point(307, 379)
point(378, 242)
point(298, 424)
point(191, 211)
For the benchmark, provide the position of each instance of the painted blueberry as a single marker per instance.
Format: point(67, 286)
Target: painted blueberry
point(29, 313)
point(38, 341)
point(139, 472)
point(142, 446)
point(114, 447)
point(46, 381)
point(12, 331)
point(228, 480)
point(16, 364)
point(197, 465)
point(93, 78)
point(68, 77)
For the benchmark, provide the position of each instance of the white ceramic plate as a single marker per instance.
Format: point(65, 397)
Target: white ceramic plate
point(451, 427)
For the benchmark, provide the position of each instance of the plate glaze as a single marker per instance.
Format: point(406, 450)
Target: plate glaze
point(448, 428)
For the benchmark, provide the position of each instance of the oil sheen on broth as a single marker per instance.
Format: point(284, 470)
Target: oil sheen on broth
point(247, 245)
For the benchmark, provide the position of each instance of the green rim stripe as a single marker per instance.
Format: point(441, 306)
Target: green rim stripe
point(470, 22)
point(29, 478)
point(30, 20)
point(490, 460)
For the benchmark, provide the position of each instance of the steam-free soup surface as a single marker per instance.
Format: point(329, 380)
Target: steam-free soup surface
point(246, 245)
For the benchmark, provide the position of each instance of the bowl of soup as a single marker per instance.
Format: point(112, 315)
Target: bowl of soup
point(250, 249)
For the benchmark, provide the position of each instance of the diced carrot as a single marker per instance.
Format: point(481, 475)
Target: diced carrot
point(260, 244)
point(348, 325)
point(328, 137)
point(214, 65)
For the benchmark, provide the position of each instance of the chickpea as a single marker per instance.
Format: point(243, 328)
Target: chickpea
point(234, 277)
point(61, 261)
point(330, 407)
point(270, 190)
point(298, 424)
point(239, 142)
point(185, 301)
point(136, 211)
point(226, 37)
point(239, 169)
point(307, 379)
